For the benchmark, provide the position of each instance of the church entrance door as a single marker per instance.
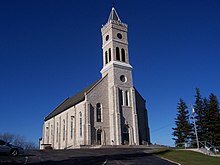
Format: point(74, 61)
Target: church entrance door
point(125, 135)
point(99, 137)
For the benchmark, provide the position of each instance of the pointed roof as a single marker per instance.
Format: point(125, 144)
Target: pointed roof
point(71, 101)
point(113, 15)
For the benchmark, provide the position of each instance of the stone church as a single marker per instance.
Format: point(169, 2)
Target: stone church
point(108, 112)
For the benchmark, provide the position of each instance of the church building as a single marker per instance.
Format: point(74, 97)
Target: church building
point(108, 112)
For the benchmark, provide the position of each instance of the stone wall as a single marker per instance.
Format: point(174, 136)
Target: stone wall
point(99, 94)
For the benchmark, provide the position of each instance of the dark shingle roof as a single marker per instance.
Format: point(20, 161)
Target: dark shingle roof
point(70, 101)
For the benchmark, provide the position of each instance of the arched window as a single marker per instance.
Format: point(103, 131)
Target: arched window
point(125, 134)
point(98, 112)
point(120, 93)
point(109, 53)
point(123, 54)
point(57, 132)
point(47, 134)
point(51, 133)
point(106, 57)
point(117, 54)
point(71, 127)
point(80, 124)
point(64, 130)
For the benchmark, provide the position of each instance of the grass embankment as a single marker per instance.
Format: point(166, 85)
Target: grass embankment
point(185, 157)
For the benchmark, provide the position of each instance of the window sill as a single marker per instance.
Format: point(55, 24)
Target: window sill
point(125, 106)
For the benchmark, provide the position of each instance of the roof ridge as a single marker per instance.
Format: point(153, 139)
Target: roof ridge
point(57, 107)
point(71, 101)
point(96, 84)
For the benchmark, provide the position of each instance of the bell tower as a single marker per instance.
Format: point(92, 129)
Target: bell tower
point(114, 42)
point(121, 93)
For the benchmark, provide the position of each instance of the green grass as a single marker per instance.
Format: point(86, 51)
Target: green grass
point(185, 157)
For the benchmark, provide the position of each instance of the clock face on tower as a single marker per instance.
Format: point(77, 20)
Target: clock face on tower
point(119, 35)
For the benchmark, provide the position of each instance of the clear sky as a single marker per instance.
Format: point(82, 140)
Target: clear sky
point(51, 49)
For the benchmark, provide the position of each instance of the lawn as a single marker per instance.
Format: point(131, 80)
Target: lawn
point(185, 157)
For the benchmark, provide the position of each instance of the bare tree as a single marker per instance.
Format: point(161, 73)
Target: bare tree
point(18, 140)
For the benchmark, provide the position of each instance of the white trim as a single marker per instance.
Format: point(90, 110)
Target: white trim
point(120, 41)
point(128, 97)
point(108, 42)
point(123, 98)
point(119, 64)
point(101, 113)
point(116, 40)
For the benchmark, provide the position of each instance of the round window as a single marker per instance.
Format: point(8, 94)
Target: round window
point(107, 37)
point(123, 78)
point(119, 35)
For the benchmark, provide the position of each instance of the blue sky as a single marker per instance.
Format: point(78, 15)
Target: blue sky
point(51, 49)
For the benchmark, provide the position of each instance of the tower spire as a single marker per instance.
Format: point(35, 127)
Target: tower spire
point(113, 15)
point(114, 44)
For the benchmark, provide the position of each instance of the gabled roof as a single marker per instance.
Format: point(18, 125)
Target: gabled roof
point(113, 16)
point(71, 101)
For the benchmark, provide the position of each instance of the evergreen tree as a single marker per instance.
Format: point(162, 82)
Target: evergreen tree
point(182, 131)
point(213, 120)
point(200, 116)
